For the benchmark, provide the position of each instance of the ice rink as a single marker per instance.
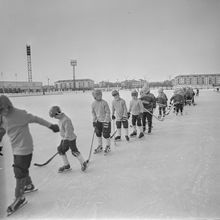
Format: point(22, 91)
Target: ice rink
point(172, 173)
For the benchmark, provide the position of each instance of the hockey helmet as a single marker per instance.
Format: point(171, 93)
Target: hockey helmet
point(96, 93)
point(115, 92)
point(134, 93)
point(55, 110)
point(5, 103)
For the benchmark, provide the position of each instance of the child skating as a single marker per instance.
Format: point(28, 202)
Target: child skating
point(120, 109)
point(136, 110)
point(68, 140)
point(101, 121)
point(149, 103)
point(162, 102)
point(16, 123)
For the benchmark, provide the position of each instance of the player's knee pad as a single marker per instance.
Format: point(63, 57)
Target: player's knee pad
point(106, 133)
point(98, 132)
point(75, 153)
point(125, 124)
point(118, 124)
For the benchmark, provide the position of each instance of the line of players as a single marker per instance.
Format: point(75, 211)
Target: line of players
point(15, 122)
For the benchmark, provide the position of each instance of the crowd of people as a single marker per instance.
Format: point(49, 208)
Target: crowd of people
point(15, 123)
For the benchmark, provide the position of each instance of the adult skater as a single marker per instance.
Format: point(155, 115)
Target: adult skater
point(149, 103)
point(119, 107)
point(101, 120)
point(16, 123)
point(162, 102)
point(68, 140)
point(136, 110)
point(178, 101)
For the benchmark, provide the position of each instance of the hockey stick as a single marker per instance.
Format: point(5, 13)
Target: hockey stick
point(43, 164)
point(159, 119)
point(113, 134)
point(90, 152)
point(114, 130)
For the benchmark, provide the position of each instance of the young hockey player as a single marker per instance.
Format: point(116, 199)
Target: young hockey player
point(162, 102)
point(68, 140)
point(136, 109)
point(16, 123)
point(178, 101)
point(149, 103)
point(119, 107)
point(101, 121)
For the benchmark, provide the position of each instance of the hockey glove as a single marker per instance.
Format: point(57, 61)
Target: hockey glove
point(1, 150)
point(63, 148)
point(129, 115)
point(2, 133)
point(113, 117)
point(54, 128)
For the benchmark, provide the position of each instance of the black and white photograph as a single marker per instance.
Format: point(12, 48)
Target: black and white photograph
point(109, 109)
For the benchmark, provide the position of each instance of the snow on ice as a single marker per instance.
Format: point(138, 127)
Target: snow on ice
point(172, 173)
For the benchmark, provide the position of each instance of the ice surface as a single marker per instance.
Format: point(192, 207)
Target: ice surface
point(172, 173)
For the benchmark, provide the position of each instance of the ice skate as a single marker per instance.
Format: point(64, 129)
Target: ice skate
point(107, 150)
point(84, 166)
point(98, 150)
point(64, 168)
point(127, 138)
point(30, 188)
point(133, 134)
point(17, 204)
point(141, 135)
point(118, 138)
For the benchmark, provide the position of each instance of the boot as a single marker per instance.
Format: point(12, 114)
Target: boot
point(18, 202)
point(117, 138)
point(141, 135)
point(98, 149)
point(134, 133)
point(29, 188)
point(64, 168)
point(126, 137)
point(107, 149)
point(84, 166)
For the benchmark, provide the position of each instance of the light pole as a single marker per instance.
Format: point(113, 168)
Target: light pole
point(2, 76)
point(16, 81)
point(73, 63)
point(48, 83)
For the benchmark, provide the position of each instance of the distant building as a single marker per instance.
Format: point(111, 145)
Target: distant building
point(198, 80)
point(132, 84)
point(19, 86)
point(80, 84)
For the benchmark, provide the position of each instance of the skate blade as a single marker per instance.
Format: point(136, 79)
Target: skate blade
point(30, 191)
point(10, 213)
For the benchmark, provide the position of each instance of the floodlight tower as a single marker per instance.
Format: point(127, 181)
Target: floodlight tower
point(28, 49)
point(73, 63)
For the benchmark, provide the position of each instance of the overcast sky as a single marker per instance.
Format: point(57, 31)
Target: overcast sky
point(110, 39)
